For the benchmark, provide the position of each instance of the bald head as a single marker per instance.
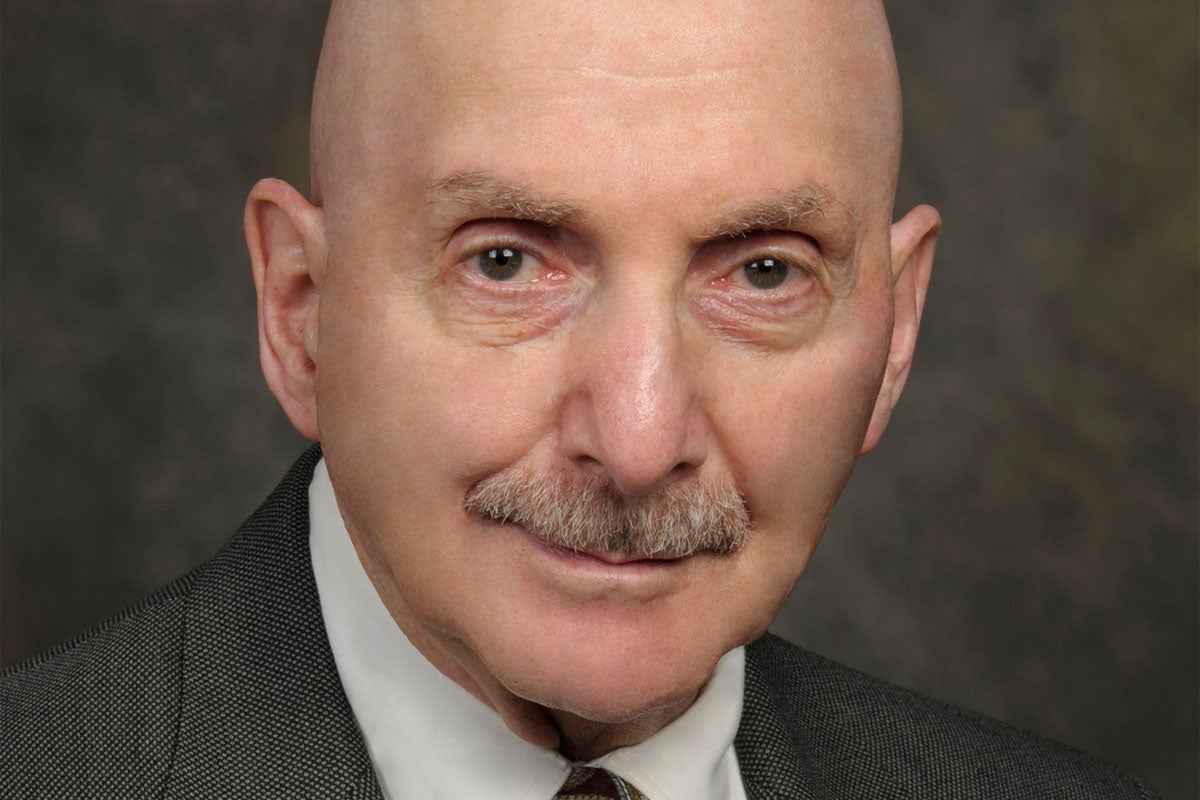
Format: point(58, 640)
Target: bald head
point(389, 72)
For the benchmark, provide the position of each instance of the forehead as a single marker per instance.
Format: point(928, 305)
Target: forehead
point(688, 98)
point(639, 40)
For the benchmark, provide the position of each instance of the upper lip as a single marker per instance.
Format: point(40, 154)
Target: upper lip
point(613, 557)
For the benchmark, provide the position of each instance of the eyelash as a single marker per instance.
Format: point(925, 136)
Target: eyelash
point(471, 255)
point(798, 269)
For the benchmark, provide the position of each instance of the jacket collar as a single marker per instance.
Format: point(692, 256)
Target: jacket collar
point(769, 754)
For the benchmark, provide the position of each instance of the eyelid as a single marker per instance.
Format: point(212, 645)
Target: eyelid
point(798, 269)
point(794, 247)
point(540, 263)
point(753, 238)
point(497, 243)
point(531, 263)
point(506, 232)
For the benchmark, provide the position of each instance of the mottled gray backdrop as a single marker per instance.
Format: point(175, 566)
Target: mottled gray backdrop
point(1024, 542)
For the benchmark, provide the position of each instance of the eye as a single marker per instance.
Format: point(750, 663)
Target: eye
point(500, 263)
point(766, 273)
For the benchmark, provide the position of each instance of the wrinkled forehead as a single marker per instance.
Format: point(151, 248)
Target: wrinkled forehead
point(389, 68)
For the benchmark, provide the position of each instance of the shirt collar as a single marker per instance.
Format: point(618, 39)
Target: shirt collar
point(423, 730)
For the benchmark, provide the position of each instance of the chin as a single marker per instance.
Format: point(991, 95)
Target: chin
point(610, 700)
point(608, 675)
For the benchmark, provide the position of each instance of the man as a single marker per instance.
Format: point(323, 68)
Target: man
point(592, 310)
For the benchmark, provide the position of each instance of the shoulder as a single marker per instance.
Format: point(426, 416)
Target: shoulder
point(222, 684)
point(107, 697)
point(851, 729)
point(101, 715)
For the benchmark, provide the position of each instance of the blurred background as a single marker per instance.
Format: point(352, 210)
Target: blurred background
point(1024, 542)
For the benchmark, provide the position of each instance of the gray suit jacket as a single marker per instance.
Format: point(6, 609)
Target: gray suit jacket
point(222, 685)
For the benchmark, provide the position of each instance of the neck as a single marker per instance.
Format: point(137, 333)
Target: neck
point(583, 740)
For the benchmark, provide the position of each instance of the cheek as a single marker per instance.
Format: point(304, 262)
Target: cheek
point(791, 453)
point(392, 388)
point(792, 429)
point(409, 421)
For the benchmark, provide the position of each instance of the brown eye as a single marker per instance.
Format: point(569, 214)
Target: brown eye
point(766, 273)
point(500, 263)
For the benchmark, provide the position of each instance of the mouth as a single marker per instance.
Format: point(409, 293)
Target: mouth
point(606, 564)
point(595, 558)
point(622, 559)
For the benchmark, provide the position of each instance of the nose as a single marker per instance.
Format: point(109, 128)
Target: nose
point(633, 411)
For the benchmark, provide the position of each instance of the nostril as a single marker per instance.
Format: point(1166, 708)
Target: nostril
point(589, 463)
point(682, 471)
point(638, 427)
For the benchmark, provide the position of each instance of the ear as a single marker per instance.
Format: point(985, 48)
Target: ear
point(913, 240)
point(286, 238)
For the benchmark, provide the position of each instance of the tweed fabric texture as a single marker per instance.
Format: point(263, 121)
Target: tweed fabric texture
point(589, 783)
point(223, 685)
point(812, 728)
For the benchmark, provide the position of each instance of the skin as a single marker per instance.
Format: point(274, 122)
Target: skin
point(638, 167)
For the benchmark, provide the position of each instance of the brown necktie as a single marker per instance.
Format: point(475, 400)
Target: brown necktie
point(589, 783)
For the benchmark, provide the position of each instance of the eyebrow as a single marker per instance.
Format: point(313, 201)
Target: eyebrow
point(810, 208)
point(784, 211)
point(482, 193)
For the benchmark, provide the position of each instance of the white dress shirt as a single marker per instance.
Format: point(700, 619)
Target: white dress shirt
point(429, 737)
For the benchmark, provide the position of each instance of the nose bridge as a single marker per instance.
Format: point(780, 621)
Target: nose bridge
point(637, 396)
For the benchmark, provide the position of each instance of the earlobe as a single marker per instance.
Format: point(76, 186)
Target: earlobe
point(286, 238)
point(913, 240)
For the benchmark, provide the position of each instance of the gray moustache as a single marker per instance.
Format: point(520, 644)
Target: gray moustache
point(588, 514)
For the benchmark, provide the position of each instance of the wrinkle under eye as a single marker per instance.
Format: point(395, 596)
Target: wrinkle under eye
point(766, 273)
point(500, 263)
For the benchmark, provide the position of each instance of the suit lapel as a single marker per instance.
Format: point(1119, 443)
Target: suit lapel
point(263, 713)
point(769, 754)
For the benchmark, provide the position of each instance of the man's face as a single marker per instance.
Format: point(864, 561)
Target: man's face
point(579, 245)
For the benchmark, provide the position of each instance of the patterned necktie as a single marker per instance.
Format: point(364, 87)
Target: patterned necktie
point(589, 783)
